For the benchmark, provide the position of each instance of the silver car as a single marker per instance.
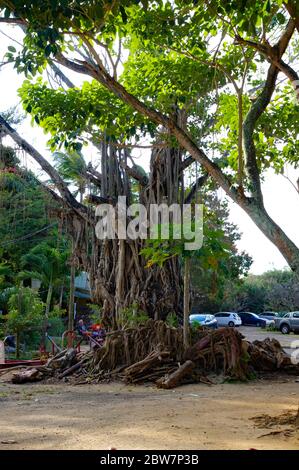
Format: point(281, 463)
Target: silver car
point(289, 322)
point(269, 315)
point(228, 319)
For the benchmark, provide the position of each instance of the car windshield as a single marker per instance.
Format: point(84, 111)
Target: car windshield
point(198, 317)
point(250, 314)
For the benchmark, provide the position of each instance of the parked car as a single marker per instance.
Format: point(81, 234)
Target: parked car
point(289, 322)
point(228, 319)
point(269, 315)
point(204, 320)
point(252, 319)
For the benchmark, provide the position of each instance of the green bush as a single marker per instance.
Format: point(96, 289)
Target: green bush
point(132, 316)
point(96, 315)
point(31, 340)
point(25, 314)
point(56, 326)
point(172, 320)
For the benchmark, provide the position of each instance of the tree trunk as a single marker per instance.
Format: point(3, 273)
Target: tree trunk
point(120, 281)
point(18, 344)
point(61, 296)
point(120, 275)
point(71, 305)
point(186, 301)
point(274, 233)
point(47, 311)
point(117, 271)
point(49, 299)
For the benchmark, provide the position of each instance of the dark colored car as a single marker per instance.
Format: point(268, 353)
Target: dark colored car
point(252, 319)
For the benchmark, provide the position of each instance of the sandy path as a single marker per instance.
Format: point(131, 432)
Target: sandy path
point(113, 415)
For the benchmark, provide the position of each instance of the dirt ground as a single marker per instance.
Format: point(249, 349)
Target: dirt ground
point(42, 416)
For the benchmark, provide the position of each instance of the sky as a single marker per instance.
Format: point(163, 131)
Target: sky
point(281, 199)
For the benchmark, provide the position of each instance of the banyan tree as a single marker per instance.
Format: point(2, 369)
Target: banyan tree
point(118, 78)
point(118, 272)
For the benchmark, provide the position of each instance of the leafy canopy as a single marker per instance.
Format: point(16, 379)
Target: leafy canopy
point(177, 56)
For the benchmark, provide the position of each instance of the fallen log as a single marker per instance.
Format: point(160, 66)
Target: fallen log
point(176, 378)
point(65, 361)
point(29, 375)
point(140, 371)
point(9, 369)
point(54, 358)
point(72, 369)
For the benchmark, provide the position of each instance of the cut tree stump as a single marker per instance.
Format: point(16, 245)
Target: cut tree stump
point(175, 379)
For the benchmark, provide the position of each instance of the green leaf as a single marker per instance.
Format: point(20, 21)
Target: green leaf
point(6, 13)
point(48, 50)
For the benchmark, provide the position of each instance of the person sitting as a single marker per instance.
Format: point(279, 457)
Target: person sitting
point(98, 333)
point(9, 343)
point(82, 330)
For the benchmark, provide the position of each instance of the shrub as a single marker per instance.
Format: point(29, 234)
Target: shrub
point(25, 312)
point(172, 320)
point(132, 316)
point(96, 315)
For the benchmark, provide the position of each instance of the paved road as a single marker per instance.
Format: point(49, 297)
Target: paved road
point(253, 333)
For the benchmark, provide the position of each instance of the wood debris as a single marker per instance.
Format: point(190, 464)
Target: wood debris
point(154, 352)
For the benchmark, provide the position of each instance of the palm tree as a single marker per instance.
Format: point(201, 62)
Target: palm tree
point(6, 273)
point(73, 169)
point(49, 265)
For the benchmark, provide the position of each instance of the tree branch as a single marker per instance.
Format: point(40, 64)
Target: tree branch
point(186, 163)
point(102, 76)
point(274, 53)
point(93, 175)
point(12, 20)
point(256, 110)
point(135, 173)
point(293, 10)
point(199, 183)
point(45, 165)
point(61, 75)
point(93, 199)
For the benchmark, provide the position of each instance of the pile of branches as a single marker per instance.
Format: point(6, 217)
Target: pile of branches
point(155, 353)
point(63, 364)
